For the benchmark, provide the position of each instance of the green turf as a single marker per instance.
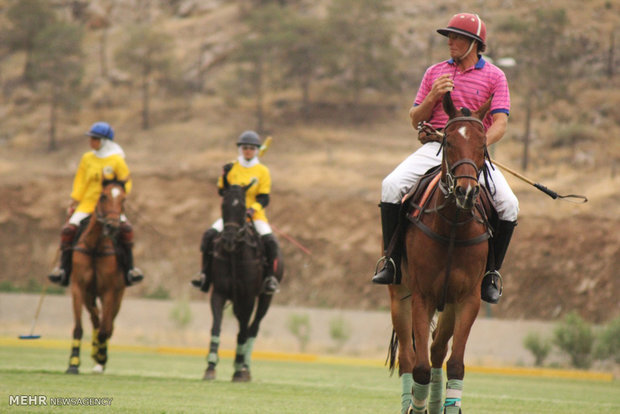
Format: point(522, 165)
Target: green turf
point(154, 383)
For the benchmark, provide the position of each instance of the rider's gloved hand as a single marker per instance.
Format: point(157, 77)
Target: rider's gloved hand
point(250, 212)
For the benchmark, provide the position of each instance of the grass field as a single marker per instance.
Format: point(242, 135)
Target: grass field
point(151, 382)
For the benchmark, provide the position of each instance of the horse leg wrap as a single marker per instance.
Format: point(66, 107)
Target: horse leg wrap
point(212, 357)
point(454, 392)
point(420, 394)
point(249, 346)
point(436, 398)
point(102, 353)
point(406, 381)
point(74, 359)
point(239, 357)
point(95, 344)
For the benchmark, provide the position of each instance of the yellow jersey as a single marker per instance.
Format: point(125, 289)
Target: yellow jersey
point(241, 175)
point(89, 176)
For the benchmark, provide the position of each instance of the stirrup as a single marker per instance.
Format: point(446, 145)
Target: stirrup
point(58, 276)
point(498, 277)
point(134, 276)
point(490, 291)
point(273, 282)
point(386, 260)
point(197, 283)
point(382, 280)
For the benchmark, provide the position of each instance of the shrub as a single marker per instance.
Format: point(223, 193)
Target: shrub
point(299, 325)
point(181, 314)
point(538, 347)
point(575, 337)
point(609, 342)
point(339, 331)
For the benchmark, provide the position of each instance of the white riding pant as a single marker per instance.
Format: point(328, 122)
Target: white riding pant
point(262, 227)
point(408, 172)
point(78, 216)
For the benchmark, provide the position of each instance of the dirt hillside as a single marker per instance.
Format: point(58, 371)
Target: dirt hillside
point(564, 256)
point(326, 169)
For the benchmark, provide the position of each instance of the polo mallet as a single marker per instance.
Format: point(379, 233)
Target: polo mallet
point(550, 193)
point(36, 314)
point(263, 148)
point(577, 198)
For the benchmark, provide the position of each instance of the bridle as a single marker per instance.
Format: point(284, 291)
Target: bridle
point(448, 182)
point(110, 228)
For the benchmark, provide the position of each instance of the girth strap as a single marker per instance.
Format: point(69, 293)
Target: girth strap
point(446, 240)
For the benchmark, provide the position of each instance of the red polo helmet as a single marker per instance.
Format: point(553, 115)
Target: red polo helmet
point(466, 24)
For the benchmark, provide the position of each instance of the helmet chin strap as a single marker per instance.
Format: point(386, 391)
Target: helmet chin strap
point(471, 47)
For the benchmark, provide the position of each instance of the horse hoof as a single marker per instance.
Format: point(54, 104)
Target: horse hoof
point(209, 374)
point(242, 376)
point(72, 370)
point(98, 369)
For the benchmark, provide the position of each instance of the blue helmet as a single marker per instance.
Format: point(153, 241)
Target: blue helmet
point(101, 130)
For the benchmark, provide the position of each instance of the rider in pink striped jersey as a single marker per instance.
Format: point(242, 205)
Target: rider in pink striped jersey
point(471, 81)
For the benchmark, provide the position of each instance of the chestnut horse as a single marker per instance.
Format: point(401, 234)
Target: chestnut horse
point(446, 253)
point(96, 273)
point(237, 270)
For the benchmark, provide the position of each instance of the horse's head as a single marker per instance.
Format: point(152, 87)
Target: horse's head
point(233, 214)
point(464, 151)
point(110, 205)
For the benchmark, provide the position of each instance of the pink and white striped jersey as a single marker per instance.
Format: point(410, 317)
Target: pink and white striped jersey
point(472, 89)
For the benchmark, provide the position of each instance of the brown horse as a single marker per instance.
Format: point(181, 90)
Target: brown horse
point(237, 271)
point(96, 273)
point(446, 253)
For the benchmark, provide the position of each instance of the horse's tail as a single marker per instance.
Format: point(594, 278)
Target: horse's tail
point(392, 351)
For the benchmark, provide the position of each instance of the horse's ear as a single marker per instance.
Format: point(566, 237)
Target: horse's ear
point(482, 111)
point(448, 105)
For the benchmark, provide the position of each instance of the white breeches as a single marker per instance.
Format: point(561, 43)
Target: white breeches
point(262, 227)
point(78, 216)
point(408, 172)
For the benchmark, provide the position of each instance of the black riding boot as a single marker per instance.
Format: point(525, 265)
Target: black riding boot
point(490, 291)
point(206, 247)
point(271, 284)
point(390, 272)
point(132, 274)
point(61, 273)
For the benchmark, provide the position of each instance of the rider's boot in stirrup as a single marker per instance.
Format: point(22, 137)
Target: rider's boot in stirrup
point(61, 273)
point(132, 274)
point(390, 272)
point(492, 283)
point(203, 282)
point(270, 283)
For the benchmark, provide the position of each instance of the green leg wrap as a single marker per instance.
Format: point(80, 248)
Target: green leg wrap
point(420, 395)
point(406, 397)
point(454, 392)
point(212, 357)
point(239, 357)
point(435, 401)
point(249, 347)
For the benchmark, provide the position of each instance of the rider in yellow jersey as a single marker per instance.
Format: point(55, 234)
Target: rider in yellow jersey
point(105, 161)
point(246, 168)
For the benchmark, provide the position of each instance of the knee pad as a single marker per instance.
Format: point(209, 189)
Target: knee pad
point(67, 233)
point(126, 233)
point(206, 243)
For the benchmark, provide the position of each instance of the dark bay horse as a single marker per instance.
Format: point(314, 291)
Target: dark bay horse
point(97, 274)
point(446, 252)
point(237, 273)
